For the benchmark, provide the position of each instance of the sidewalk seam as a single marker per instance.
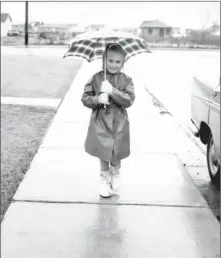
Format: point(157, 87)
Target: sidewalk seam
point(114, 204)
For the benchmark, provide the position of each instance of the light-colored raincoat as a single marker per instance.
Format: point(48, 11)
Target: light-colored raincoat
point(108, 136)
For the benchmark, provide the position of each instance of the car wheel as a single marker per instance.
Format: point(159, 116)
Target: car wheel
point(213, 164)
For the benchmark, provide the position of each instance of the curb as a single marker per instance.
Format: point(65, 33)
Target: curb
point(185, 129)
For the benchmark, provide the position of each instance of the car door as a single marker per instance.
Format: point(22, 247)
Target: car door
point(214, 119)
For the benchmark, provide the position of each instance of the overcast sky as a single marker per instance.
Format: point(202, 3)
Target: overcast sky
point(117, 14)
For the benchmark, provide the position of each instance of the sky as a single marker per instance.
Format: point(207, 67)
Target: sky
point(117, 14)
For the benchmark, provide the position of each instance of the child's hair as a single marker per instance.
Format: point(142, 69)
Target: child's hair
point(115, 48)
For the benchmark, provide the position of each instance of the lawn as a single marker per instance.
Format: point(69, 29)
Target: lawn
point(22, 131)
point(37, 76)
point(24, 127)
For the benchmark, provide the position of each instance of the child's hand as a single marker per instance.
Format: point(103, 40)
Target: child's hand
point(103, 99)
point(106, 87)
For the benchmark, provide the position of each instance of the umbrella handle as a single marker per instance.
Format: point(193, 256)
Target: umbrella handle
point(105, 66)
point(105, 69)
point(105, 72)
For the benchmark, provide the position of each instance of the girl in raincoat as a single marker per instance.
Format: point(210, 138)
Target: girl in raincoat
point(108, 135)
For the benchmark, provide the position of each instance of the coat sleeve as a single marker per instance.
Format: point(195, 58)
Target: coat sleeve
point(89, 97)
point(126, 97)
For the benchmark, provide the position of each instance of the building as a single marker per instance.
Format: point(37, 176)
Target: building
point(76, 29)
point(53, 28)
point(6, 23)
point(214, 29)
point(127, 29)
point(18, 27)
point(95, 27)
point(178, 32)
point(33, 26)
point(151, 29)
point(56, 32)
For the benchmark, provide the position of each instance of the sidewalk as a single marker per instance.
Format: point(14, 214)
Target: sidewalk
point(57, 211)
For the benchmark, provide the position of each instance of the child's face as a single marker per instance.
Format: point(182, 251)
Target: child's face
point(115, 61)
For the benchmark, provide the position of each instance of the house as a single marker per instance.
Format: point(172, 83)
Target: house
point(59, 31)
point(76, 29)
point(72, 29)
point(214, 29)
point(6, 23)
point(53, 32)
point(127, 29)
point(53, 28)
point(19, 27)
point(178, 32)
point(155, 28)
point(95, 27)
point(33, 25)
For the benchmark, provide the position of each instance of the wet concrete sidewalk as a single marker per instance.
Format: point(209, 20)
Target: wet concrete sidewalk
point(57, 210)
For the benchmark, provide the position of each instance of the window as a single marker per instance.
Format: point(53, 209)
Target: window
point(150, 31)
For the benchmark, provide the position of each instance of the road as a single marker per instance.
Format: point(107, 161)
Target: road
point(168, 75)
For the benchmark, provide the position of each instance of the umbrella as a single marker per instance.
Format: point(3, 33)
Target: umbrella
point(91, 46)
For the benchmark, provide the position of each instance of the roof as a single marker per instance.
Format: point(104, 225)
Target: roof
point(4, 17)
point(154, 24)
point(50, 25)
point(18, 26)
point(77, 29)
point(96, 26)
point(72, 25)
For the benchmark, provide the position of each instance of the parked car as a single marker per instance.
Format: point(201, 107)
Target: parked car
point(13, 33)
point(205, 117)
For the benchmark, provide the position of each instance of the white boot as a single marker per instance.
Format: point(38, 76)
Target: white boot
point(105, 183)
point(115, 178)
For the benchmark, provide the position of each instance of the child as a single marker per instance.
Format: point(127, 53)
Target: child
point(108, 135)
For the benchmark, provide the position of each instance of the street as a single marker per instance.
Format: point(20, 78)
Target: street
point(168, 75)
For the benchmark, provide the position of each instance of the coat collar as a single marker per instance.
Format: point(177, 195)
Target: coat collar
point(112, 74)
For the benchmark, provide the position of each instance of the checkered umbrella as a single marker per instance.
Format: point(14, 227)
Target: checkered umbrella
point(91, 46)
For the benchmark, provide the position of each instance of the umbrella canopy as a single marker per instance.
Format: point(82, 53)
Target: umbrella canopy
point(91, 46)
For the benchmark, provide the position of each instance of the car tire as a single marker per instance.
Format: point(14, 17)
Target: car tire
point(214, 169)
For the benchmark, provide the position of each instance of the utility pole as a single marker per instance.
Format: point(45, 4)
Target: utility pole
point(26, 23)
